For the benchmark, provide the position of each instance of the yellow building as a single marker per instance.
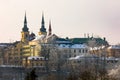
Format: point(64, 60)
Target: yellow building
point(19, 53)
point(32, 48)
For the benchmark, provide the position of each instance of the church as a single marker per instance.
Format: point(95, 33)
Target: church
point(37, 51)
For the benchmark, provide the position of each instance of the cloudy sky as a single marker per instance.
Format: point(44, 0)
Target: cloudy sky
point(69, 18)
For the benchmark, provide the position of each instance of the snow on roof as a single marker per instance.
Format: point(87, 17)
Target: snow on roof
point(77, 57)
point(40, 37)
point(73, 46)
point(3, 45)
point(35, 57)
point(114, 47)
point(79, 46)
point(10, 66)
point(83, 56)
point(97, 48)
point(111, 58)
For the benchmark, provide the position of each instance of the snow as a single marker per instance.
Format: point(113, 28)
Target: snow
point(10, 66)
point(35, 57)
point(97, 48)
point(73, 46)
point(3, 45)
point(112, 58)
point(78, 46)
point(77, 57)
point(83, 56)
point(114, 47)
point(40, 37)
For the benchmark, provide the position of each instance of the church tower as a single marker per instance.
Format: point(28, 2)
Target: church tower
point(50, 29)
point(42, 29)
point(25, 31)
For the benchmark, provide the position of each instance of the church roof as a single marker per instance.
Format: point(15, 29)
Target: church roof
point(79, 40)
point(99, 41)
point(43, 29)
point(25, 28)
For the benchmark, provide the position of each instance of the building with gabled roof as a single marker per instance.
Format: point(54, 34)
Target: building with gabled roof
point(44, 43)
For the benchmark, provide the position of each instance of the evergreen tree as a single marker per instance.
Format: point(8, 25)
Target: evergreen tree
point(31, 76)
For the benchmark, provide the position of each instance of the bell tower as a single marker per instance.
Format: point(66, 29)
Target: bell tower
point(25, 31)
point(42, 29)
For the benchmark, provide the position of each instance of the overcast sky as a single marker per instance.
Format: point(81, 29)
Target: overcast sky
point(69, 18)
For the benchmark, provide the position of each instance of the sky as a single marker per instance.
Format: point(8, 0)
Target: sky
point(69, 18)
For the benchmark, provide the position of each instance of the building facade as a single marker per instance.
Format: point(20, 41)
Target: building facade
point(114, 51)
point(32, 50)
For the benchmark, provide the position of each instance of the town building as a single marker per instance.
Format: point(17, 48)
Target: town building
point(114, 51)
point(32, 50)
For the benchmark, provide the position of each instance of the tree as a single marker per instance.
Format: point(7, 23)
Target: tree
point(31, 76)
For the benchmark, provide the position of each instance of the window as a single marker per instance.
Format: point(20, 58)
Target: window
point(37, 58)
point(69, 55)
point(83, 50)
point(40, 64)
point(41, 59)
point(86, 50)
point(79, 50)
point(36, 64)
point(20, 49)
point(69, 51)
point(32, 64)
point(74, 51)
point(32, 58)
point(79, 61)
point(74, 55)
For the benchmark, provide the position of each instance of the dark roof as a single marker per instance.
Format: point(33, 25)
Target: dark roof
point(79, 40)
point(63, 40)
point(6, 44)
point(99, 41)
point(16, 42)
point(25, 28)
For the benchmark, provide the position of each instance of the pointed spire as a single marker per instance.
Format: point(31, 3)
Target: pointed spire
point(25, 28)
point(43, 19)
point(50, 30)
point(43, 29)
point(25, 20)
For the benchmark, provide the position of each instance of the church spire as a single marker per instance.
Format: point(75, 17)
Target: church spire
point(50, 30)
point(25, 31)
point(43, 22)
point(25, 28)
point(25, 20)
point(42, 29)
